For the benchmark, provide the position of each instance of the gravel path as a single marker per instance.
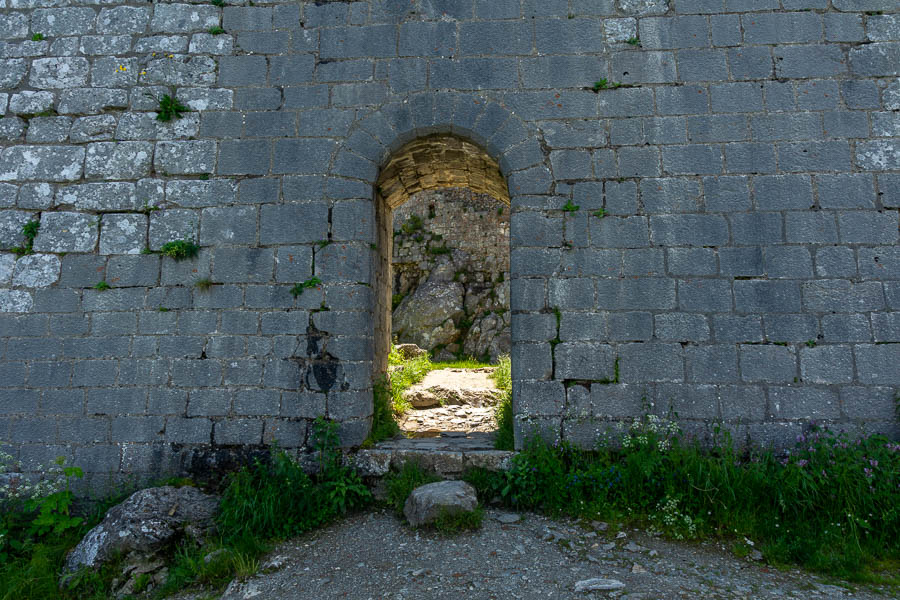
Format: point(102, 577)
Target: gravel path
point(375, 555)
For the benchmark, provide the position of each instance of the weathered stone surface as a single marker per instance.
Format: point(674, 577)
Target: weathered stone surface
point(67, 72)
point(427, 502)
point(426, 318)
point(11, 223)
point(123, 234)
point(41, 163)
point(67, 232)
point(99, 196)
point(148, 522)
point(118, 160)
point(36, 270)
point(471, 387)
point(15, 301)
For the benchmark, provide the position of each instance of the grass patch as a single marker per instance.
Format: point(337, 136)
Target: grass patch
point(454, 522)
point(400, 484)
point(383, 424)
point(831, 504)
point(502, 376)
point(179, 249)
point(215, 30)
point(37, 37)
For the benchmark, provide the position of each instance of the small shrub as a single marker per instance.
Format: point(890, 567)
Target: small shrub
point(413, 223)
point(170, 108)
point(37, 37)
point(102, 286)
point(180, 249)
point(299, 288)
point(400, 484)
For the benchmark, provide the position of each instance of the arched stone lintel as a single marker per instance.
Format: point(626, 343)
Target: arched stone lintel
point(511, 142)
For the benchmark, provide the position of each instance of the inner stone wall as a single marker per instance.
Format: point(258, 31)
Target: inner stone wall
point(451, 274)
point(704, 214)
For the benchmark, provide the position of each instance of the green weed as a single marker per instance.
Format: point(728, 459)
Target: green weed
point(102, 286)
point(413, 223)
point(502, 376)
point(203, 284)
point(633, 41)
point(37, 37)
point(299, 288)
point(170, 108)
point(605, 84)
point(569, 207)
point(29, 232)
point(215, 30)
point(180, 249)
point(599, 213)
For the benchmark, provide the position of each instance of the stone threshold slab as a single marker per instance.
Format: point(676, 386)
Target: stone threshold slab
point(448, 455)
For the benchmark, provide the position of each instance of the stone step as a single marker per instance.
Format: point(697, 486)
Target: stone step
point(448, 455)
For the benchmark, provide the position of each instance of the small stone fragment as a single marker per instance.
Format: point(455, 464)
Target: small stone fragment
point(598, 585)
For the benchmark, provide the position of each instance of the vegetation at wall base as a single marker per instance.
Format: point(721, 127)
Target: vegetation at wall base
point(830, 504)
point(502, 376)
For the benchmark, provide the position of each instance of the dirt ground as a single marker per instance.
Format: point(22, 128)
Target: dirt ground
point(527, 556)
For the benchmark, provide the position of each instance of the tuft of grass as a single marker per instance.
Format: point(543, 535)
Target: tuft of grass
point(203, 284)
point(603, 84)
point(29, 232)
point(299, 288)
point(570, 207)
point(502, 376)
point(405, 374)
point(400, 484)
point(600, 213)
point(170, 108)
point(37, 37)
point(453, 522)
point(180, 249)
point(215, 30)
point(383, 424)
point(633, 41)
point(101, 285)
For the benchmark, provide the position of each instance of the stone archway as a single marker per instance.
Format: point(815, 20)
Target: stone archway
point(386, 156)
point(432, 162)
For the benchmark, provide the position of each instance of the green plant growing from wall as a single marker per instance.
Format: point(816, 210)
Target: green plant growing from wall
point(570, 207)
point(633, 41)
point(605, 84)
point(102, 286)
point(179, 249)
point(203, 284)
point(599, 213)
point(215, 30)
point(170, 108)
point(37, 37)
point(29, 232)
point(299, 288)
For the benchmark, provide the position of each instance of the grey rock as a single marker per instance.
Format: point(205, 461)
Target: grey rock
point(15, 301)
point(148, 522)
point(427, 316)
point(427, 502)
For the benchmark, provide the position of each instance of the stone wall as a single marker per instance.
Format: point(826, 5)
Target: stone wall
point(704, 211)
point(451, 273)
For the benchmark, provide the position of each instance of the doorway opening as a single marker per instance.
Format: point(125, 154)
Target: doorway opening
point(442, 287)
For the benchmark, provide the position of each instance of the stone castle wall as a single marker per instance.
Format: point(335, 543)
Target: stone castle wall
point(454, 245)
point(704, 212)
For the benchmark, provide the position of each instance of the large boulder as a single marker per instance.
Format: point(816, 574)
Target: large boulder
point(428, 316)
point(428, 501)
point(148, 522)
point(472, 387)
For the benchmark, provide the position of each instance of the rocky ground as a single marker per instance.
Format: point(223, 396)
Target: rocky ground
point(375, 555)
point(452, 400)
